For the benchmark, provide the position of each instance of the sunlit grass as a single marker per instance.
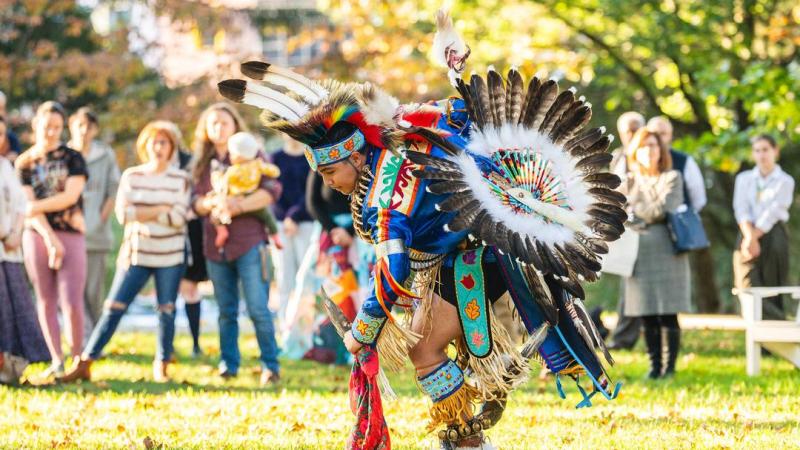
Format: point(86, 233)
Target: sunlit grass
point(709, 404)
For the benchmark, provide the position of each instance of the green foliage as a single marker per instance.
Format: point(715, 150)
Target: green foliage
point(711, 403)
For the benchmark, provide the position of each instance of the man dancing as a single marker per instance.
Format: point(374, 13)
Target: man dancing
point(464, 200)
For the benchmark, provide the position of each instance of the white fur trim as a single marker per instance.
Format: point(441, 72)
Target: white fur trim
point(381, 109)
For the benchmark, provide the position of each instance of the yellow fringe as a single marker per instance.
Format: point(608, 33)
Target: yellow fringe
point(500, 372)
point(394, 344)
point(424, 285)
point(455, 409)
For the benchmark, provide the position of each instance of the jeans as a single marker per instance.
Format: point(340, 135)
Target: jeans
point(226, 277)
point(126, 285)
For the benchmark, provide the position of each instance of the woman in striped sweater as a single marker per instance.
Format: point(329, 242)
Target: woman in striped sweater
point(152, 203)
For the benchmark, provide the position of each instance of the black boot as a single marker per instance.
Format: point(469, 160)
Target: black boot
point(652, 337)
point(673, 346)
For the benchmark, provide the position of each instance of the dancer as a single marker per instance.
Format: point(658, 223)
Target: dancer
point(525, 210)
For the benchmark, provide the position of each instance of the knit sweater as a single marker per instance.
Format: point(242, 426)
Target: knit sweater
point(159, 242)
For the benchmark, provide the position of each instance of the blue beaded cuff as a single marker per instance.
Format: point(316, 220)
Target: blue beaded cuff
point(367, 328)
point(442, 382)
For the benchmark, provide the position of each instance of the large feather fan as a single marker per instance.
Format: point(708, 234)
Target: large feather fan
point(542, 193)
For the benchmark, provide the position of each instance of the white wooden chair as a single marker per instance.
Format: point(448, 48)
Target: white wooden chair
point(780, 337)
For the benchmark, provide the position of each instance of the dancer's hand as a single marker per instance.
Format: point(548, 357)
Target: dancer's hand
point(353, 346)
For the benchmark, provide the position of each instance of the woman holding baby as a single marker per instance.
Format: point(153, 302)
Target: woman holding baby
point(242, 258)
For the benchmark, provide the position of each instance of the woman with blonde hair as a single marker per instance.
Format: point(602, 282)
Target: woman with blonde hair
point(659, 288)
point(243, 259)
point(152, 203)
point(53, 177)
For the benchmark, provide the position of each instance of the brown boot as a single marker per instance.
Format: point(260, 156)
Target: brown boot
point(81, 370)
point(160, 371)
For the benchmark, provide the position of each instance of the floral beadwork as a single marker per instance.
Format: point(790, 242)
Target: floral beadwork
point(329, 154)
point(366, 328)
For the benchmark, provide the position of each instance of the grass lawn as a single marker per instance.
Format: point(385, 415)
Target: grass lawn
point(710, 404)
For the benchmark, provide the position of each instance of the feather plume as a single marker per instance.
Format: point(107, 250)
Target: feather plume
point(429, 161)
point(534, 341)
point(448, 187)
point(542, 296)
point(436, 175)
point(497, 96)
point(557, 109)
point(481, 99)
point(253, 94)
point(602, 179)
point(538, 106)
point(599, 342)
point(465, 216)
point(514, 96)
point(594, 163)
point(300, 85)
point(608, 196)
point(530, 94)
point(455, 202)
point(377, 106)
point(570, 124)
point(583, 140)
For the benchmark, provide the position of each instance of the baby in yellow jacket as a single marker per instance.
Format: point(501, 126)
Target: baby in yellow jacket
point(241, 178)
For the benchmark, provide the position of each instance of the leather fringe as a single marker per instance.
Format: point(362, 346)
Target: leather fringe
point(394, 344)
point(455, 409)
point(501, 371)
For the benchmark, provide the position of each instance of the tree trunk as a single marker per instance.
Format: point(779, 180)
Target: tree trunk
point(704, 282)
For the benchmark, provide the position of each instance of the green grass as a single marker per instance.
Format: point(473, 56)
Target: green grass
point(709, 404)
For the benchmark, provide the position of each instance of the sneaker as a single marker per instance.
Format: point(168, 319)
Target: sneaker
point(269, 378)
point(55, 370)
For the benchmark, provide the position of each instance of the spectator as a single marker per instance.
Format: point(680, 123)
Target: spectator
point(152, 204)
point(196, 271)
point(659, 287)
point(98, 203)
point(694, 187)
point(296, 227)
point(53, 177)
point(244, 258)
point(761, 200)
point(9, 143)
point(21, 339)
point(626, 333)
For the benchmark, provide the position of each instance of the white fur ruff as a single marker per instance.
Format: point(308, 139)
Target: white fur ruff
point(508, 137)
point(381, 109)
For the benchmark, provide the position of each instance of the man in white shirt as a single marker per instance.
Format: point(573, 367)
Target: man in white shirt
point(761, 200)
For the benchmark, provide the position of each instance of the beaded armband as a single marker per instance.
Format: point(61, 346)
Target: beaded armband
point(366, 328)
point(442, 382)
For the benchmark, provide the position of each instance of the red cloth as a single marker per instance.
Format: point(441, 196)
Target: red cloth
point(370, 431)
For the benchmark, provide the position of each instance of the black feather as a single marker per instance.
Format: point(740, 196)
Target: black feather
point(594, 163)
point(550, 260)
point(533, 88)
point(233, 90)
point(542, 296)
point(436, 139)
point(497, 97)
point(533, 254)
point(599, 343)
point(514, 96)
point(255, 69)
point(482, 105)
point(595, 246)
point(429, 161)
point(517, 245)
point(436, 175)
point(570, 124)
point(483, 229)
point(465, 217)
point(608, 196)
point(576, 145)
point(612, 210)
point(456, 202)
point(571, 286)
point(469, 101)
point(501, 238)
point(556, 110)
point(603, 179)
point(573, 251)
point(597, 147)
point(448, 187)
point(544, 98)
